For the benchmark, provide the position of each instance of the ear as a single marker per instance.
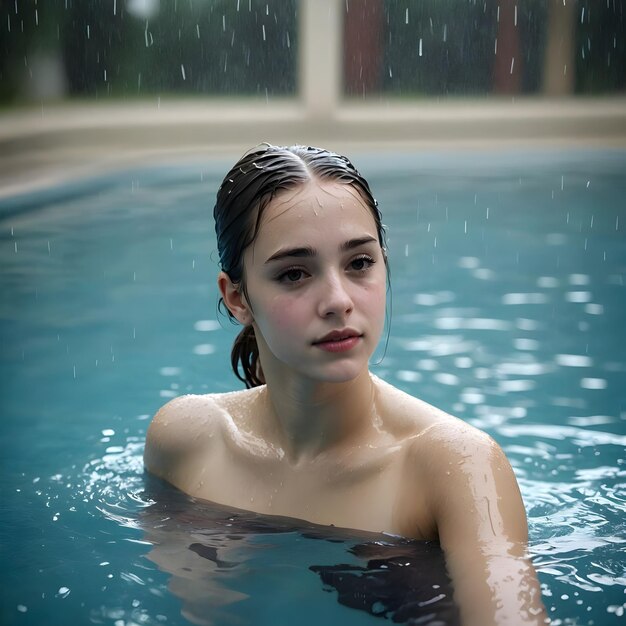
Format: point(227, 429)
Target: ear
point(233, 299)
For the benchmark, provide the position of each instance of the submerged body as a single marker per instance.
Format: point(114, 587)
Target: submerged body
point(322, 439)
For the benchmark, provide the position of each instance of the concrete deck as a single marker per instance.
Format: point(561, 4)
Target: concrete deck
point(39, 147)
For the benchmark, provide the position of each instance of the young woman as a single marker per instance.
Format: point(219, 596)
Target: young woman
point(315, 435)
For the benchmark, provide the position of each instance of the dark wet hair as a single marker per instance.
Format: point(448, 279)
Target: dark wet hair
point(244, 194)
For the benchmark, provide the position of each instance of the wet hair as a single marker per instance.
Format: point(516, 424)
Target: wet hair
point(258, 177)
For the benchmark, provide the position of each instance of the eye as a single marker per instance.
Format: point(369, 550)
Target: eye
point(291, 275)
point(362, 263)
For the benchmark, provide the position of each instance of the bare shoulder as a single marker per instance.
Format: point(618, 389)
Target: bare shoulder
point(179, 428)
point(465, 470)
point(193, 425)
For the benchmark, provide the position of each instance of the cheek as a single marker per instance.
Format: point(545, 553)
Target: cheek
point(375, 298)
point(285, 313)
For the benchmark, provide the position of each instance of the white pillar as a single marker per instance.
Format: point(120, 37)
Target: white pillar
point(320, 56)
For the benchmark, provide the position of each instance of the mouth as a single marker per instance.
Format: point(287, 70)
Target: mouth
point(339, 340)
point(338, 335)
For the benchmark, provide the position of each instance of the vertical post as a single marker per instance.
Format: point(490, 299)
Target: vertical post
point(320, 56)
point(558, 64)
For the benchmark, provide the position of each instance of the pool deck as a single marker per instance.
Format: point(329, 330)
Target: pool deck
point(47, 145)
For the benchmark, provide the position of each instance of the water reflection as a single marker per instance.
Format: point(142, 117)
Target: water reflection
point(233, 566)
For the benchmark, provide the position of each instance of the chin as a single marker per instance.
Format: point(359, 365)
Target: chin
point(344, 373)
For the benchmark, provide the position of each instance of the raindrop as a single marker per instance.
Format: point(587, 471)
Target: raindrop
point(198, 30)
point(114, 7)
point(263, 27)
point(406, 17)
point(420, 48)
point(223, 23)
point(515, 20)
point(182, 70)
point(171, 244)
point(512, 64)
point(445, 33)
point(87, 31)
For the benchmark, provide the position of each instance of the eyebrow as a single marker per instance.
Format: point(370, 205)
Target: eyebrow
point(308, 251)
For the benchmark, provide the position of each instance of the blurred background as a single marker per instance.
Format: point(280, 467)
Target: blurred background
point(57, 50)
point(81, 79)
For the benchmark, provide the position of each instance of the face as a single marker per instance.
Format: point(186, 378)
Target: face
point(316, 283)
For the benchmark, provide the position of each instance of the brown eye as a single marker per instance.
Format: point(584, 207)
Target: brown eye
point(361, 263)
point(293, 275)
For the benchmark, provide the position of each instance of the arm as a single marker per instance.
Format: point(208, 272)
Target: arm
point(483, 530)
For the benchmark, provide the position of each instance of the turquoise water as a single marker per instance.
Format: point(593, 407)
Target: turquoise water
point(508, 277)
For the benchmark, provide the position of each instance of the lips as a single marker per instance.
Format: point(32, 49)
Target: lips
point(339, 341)
point(338, 335)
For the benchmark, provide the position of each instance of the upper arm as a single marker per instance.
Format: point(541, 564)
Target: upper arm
point(482, 528)
point(178, 431)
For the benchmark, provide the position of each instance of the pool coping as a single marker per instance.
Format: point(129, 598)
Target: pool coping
point(43, 146)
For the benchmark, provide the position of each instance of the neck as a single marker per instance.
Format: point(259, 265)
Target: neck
point(313, 418)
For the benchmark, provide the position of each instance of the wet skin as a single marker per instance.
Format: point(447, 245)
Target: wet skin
point(326, 441)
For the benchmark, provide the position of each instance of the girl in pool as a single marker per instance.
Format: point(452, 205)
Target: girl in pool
point(315, 435)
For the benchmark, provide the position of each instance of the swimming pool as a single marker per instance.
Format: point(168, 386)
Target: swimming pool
point(508, 306)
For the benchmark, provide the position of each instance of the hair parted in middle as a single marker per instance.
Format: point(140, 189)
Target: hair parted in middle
point(252, 183)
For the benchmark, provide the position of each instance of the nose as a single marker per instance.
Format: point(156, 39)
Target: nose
point(335, 299)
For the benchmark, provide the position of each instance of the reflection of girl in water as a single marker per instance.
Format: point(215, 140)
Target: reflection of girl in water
point(230, 566)
point(315, 435)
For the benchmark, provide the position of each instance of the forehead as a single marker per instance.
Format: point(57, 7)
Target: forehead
point(317, 204)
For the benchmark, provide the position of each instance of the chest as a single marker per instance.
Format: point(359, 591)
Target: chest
point(373, 492)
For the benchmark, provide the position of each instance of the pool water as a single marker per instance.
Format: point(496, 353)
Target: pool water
point(508, 275)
